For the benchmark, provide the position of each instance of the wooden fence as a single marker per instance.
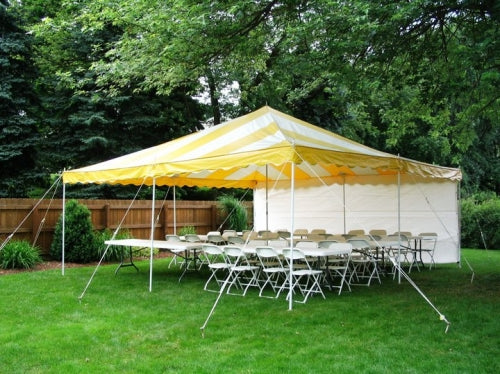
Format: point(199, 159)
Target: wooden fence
point(35, 220)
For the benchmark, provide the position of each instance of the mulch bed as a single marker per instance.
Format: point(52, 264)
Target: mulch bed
point(50, 265)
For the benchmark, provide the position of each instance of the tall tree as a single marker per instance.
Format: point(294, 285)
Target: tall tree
point(85, 120)
point(18, 131)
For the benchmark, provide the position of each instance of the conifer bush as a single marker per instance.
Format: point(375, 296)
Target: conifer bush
point(81, 243)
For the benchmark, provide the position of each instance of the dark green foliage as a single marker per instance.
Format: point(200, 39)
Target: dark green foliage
point(114, 252)
point(235, 211)
point(80, 241)
point(18, 131)
point(19, 254)
point(415, 78)
point(481, 221)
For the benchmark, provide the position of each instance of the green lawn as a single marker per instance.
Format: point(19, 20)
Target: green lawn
point(121, 327)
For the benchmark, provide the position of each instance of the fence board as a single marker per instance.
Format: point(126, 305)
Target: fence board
point(31, 219)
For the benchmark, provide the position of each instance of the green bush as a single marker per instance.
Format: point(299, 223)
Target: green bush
point(480, 221)
point(19, 254)
point(81, 244)
point(235, 211)
point(187, 230)
point(114, 251)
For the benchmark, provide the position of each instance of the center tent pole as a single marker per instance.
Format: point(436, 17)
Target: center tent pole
point(292, 210)
point(63, 227)
point(152, 237)
point(175, 215)
point(267, 198)
point(343, 201)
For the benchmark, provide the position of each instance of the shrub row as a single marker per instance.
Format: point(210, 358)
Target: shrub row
point(480, 221)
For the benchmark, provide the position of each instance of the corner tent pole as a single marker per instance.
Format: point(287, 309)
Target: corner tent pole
point(152, 237)
point(63, 227)
point(399, 226)
point(292, 216)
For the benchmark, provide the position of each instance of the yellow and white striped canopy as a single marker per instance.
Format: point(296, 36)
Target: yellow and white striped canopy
point(258, 147)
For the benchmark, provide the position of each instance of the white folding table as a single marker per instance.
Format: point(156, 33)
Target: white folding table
point(182, 249)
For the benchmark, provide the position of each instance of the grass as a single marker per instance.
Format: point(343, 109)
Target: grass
point(121, 327)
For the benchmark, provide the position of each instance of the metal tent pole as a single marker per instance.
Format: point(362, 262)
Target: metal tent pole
point(63, 227)
point(152, 237)
point(292, 210)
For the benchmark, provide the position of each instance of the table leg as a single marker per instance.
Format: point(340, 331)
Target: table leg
point(131, 260)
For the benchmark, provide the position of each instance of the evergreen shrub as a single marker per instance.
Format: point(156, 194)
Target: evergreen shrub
point(81, 243)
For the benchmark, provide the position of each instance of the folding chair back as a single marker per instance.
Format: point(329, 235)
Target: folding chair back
point(428, 243)
point(218, 265)
point(192, 238)
point(338, 265)
point(272, 269)
point(304, 278)
point(242, 273)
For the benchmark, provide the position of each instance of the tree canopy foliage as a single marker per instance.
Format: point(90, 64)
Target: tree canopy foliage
point(419, 78)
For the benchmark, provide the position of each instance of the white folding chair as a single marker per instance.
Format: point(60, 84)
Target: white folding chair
point(305, 278)
point(175, 239)
point(241, 274)
point(216, 238)
point(364, 264)
point(338, 265)
point(400, 250)
point(428, 241)
point(218, 265)
point(271, 269)
point(194, 238)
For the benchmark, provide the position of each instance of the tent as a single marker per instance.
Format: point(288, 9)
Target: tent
point(268, 150)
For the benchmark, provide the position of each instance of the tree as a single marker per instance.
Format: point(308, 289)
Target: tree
point(84, 120)
point(18, 131)
point(418, 78)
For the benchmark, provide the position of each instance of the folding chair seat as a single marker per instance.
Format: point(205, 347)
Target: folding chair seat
point(272, 269)
point(218, 265)
point(305, 279)
point(242, 274)
point(338, 266)
point(365, 265)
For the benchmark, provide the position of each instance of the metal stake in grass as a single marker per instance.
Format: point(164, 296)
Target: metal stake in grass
point(407, 277)
point(221, 291)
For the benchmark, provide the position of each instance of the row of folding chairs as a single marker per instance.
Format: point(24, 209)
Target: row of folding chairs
point(231, 268)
